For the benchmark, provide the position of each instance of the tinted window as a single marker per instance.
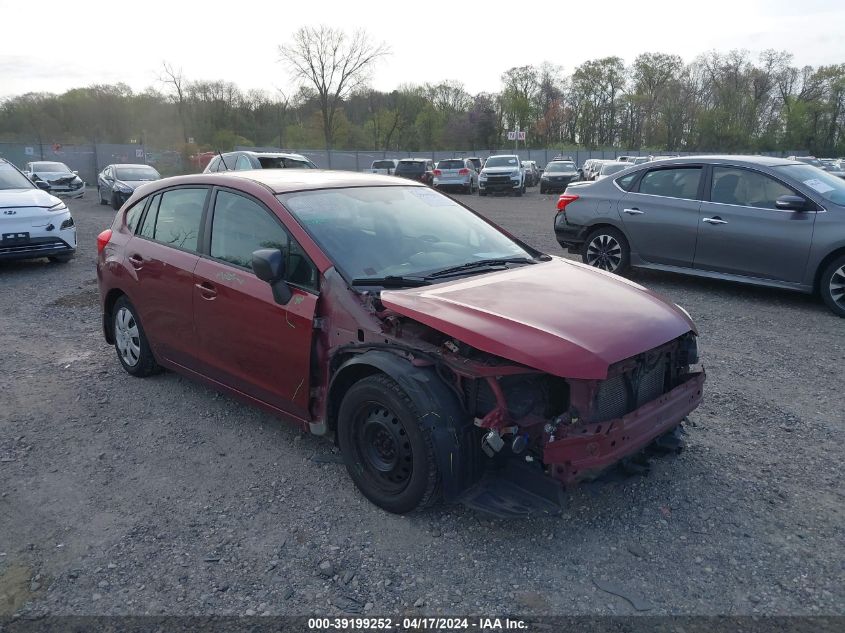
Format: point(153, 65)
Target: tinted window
point(626, 182)
point(179, 218)
point(133, 215)
point(410, 166)
point(732, 185)
point(241, 226)
point(672, 183)
point(283, 162)
point(149, 226)
point(451, 164)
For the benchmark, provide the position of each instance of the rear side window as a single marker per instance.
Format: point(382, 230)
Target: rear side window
point(133, 215)
point(241, 226)
point(178, 218)
point(626, 182)
point(672, 183)
point(243, 163)
point(732, 185)
point(149, 226)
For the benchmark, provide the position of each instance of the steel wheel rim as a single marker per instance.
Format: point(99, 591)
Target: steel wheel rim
point(837, 286)
point(382, 447)
point(604, 252)
point(127, 337)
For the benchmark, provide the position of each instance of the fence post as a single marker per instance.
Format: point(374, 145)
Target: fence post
point(357, 168)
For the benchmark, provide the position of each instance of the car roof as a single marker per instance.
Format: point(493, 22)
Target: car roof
point(268, 154)
point(130, 165)
point(287, 180)
point(415, 160)
point(733, 159)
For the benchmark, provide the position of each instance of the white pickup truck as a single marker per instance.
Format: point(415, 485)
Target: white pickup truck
point(385, 166)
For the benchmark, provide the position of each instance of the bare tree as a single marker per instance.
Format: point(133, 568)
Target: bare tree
point(334, 63)
point(176, 81)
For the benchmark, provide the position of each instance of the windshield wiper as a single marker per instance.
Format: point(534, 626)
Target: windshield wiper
point(391, 281)
point(484, 264)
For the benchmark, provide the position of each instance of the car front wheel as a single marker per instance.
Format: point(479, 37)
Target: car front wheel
point(607, 248)
point(130, 341)
point(387, 454)
point(832, 286)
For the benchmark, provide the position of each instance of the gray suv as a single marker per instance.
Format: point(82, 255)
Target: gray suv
point(754, 219)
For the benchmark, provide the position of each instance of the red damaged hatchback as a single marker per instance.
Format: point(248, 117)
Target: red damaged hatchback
point(449, 360)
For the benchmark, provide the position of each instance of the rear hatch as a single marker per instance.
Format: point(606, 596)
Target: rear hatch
point(451, 170)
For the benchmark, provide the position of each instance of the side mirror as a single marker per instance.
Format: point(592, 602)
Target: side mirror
point(42, 185)
point(75, 171)
point(791, 203)
point(268, 264)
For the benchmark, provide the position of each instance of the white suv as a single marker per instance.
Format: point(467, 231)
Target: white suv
point(502, 173)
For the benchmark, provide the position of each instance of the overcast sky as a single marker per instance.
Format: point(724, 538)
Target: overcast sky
point(55, 45)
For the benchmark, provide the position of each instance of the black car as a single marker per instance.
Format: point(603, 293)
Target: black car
point(557, 175)
point(117, 182)
point(419, 169)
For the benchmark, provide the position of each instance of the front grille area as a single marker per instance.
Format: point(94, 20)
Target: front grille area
point(34, 245)
point(498, 180)
point(622, 394)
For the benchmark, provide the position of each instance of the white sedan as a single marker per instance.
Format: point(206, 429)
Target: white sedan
point(33, 223)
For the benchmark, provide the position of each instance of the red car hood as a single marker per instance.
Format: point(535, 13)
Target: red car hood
point(560, 316)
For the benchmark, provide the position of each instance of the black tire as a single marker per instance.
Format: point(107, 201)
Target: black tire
point(146, 364)
point(60, 259)
point(115, 202)
point(389, 457)
point(830, 289)
point(606, 248)
point(542, 190)
point(518, 192)
point(482, 193)
point(100, 196)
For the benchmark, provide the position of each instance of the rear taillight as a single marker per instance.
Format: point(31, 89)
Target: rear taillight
point(103, 239)
point(564, 200)
point(437, 172)
point(463, 172)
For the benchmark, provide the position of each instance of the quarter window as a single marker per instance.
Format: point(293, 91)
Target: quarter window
point(732, 185)
point(179, 217)
point(243, 163)
point(672, 183)
point(241, 226)
point(133, 215)
point(149, 226)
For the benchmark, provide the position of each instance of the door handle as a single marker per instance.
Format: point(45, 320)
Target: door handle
point(715, 220)
point(634, 211)
point(207, 290)
point(136, 260)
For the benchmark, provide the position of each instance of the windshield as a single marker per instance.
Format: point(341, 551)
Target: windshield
point(11, 178)
point(372, 232)
point(280, 162)
point(502, 161)
point(137, 173)
point(612, 168)
point(827, 186)
point(551, 167)
point(53, 167)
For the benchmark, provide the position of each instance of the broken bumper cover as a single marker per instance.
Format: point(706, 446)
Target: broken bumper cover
point(586, 450)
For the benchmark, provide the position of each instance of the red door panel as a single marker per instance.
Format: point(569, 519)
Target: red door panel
point(163, 295)
point(250, 343)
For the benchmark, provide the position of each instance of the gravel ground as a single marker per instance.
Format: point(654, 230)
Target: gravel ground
point(160, 496)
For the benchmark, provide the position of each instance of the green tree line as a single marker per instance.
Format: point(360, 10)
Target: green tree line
point(718, 102)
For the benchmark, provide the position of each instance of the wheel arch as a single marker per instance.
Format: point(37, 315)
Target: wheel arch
point(442, 415)
point(108, 306)
point(823, 264)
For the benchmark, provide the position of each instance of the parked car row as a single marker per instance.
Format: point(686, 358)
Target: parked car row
point(753, 219)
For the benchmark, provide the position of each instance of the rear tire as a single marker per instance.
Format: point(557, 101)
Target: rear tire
point(389, 457)
point(832, 286)
point(130, 341)
point(482, 192)
point(100, 196)
point(115, 202)
point(542, 190)
point(607, 249)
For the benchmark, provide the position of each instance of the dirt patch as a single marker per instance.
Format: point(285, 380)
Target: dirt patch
point(80, 299)
point(14, 588)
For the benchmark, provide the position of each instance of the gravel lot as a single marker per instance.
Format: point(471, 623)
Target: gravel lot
point(160, 496)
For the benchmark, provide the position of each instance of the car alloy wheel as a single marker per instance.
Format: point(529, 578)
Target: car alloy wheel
point(607, 248)
point(127, 338)
point(836, 286)
point(832, 286)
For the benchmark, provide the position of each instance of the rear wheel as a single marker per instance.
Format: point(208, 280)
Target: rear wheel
point(100, 196)
point(832, 286)
point(542, 189)
point(130, 341)
point(389, 457)
point(607, 248)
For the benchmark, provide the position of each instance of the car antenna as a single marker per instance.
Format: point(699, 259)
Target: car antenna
point(222, 160)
